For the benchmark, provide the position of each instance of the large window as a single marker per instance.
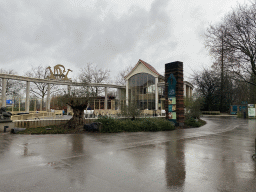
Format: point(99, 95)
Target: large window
point(142, 90)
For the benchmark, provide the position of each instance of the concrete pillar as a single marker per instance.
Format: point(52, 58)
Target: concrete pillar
point(35, 105)
point(48, 98)
point(41, 105)
point(191, 92)
point(4, 82)
point(27, 97)
point(119, 99)
point(188, 92)
point(127, 92)
point(156, 93)
point(106, 99)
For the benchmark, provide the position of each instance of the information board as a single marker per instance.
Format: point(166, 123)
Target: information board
point(251, 110)
point(172, 98)
point(9, 102)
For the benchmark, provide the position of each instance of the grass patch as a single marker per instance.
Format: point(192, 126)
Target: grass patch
point(55, 129)
point(111, 125)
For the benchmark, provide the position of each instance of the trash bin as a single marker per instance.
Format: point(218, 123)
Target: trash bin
point(5, 127)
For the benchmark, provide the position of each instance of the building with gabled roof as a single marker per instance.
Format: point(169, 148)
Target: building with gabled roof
point(143, 67)
point(145, 86)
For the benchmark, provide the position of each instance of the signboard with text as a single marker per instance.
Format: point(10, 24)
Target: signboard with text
point(9, 102)
point(172, 98)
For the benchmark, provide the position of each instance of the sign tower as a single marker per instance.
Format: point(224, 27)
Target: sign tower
point(174, 100)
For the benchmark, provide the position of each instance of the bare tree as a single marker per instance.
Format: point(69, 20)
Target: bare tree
point(40, 89)
point(207, 83)
point(13, 87)
point(120, 76)
point(237, 33)
point(215, 42)
point(93, 74)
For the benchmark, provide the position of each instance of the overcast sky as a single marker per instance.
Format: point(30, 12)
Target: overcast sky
point(110, 33)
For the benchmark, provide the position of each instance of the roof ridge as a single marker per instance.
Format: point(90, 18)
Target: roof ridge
point(150, 67)
point(147, 65)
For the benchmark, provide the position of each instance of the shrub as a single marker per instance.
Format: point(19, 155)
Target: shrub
point(193, 107)
point(131, 110)
point(192, 122)
point(111, 125)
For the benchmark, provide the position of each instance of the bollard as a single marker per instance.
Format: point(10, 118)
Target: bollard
point(5, 127)
point(254, 155)
point(244, 115)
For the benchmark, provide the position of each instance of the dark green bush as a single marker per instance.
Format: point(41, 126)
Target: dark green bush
point(111, 125)
point(192, 122)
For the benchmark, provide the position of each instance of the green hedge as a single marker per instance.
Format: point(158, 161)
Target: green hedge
point(111, 125)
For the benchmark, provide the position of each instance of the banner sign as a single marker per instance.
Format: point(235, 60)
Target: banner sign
point(172, 98)
point(251, 110)
point(9, 102)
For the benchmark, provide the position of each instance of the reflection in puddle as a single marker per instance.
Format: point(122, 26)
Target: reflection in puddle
point(175, 165)
point(26, 149)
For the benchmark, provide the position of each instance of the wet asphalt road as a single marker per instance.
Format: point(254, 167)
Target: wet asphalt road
point(215, 157)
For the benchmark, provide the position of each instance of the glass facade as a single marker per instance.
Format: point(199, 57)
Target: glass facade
point(142, 91)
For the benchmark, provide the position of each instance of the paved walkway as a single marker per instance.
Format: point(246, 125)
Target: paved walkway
point(215, 157)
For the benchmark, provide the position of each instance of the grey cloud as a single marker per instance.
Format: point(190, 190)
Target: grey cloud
point(80, 37)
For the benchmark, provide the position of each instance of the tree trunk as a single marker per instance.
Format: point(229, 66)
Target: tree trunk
point(78, 116)
point(77, 121)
